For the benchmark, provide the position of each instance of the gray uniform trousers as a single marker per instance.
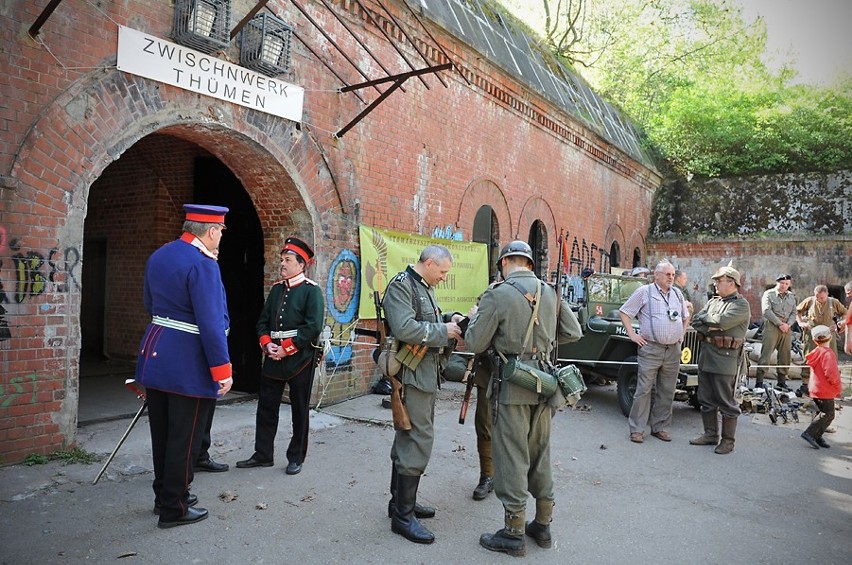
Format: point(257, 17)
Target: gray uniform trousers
point(658, 368)
point(412, 449)
point(716, 392)
point(774, 338)
point(521, 441)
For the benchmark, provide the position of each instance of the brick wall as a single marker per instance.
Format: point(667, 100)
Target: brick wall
point(77, 145)
point(810, 260)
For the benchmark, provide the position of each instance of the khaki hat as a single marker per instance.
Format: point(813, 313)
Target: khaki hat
point(821, 333)
point(727, 272)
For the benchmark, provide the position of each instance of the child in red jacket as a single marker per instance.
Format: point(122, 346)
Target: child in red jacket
point(824, 385)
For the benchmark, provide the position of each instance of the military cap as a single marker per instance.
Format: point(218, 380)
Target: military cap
point(298, 247)
point(821, 333)
point(727, 272)
point(783, 278)
point(205, 214)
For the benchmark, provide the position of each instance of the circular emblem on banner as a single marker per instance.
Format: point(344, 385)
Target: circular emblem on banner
point(685, 355)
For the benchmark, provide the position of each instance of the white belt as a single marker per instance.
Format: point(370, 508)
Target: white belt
point(283, 335)
point(178, 325)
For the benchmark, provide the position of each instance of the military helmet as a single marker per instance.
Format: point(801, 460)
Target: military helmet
point(517, 247)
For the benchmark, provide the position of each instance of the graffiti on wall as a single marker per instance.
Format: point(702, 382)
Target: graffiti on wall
point(342, 293)
point(26, 274)
point(448, 232)
point(14, 392)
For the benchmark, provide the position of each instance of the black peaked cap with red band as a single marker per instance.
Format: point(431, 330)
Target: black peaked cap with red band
point(298, 247)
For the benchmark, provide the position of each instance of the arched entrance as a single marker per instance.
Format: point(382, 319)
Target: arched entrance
point(614, 255)
point(135, 207)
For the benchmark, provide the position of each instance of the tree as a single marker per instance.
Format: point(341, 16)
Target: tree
point(690, 74)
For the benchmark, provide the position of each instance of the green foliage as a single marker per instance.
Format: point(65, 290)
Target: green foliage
point(67, 457)
point(75, 455)
point(35, 459)
point(690, 74)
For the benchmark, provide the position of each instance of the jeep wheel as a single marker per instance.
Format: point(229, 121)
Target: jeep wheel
point(628, 376)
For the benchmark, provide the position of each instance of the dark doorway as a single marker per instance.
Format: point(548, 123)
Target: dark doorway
point(486, 230)
point(93, 300)
point(637, 258)
point(538, 243)
point(614, 255)
point(241, 263)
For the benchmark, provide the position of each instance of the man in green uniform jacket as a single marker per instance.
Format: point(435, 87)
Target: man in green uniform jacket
point(417, 323)
point(288, 331)
point(521, 430)
point(723, 323)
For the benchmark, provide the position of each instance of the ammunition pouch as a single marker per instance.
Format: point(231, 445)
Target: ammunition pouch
point(725, 341)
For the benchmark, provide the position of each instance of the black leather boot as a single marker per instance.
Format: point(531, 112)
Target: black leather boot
point(419, 511)
point(509, 539)
point(403, 521)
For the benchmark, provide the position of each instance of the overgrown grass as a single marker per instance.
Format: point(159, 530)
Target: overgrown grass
point(67, 457)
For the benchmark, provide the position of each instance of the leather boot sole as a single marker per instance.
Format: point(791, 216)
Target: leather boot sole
point(493, 542)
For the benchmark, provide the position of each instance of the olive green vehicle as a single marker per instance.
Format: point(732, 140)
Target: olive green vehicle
point(605, 351)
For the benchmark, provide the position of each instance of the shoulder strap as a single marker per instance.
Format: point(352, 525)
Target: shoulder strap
point(533, 318)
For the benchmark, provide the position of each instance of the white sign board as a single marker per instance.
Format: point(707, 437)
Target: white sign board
point(154, 58)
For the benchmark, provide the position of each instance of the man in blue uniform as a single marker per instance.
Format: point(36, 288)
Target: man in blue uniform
point(288, 330)
point(183, 360)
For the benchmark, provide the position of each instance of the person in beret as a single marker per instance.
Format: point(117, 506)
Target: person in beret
point(779, 312)
point(183, 360)
point(288, 331)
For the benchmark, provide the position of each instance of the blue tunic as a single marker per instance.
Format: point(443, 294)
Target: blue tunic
point(183, 284)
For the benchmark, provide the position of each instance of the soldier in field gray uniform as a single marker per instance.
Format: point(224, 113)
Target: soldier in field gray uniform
point(415, 320)
point(722, 323)
point(779, 312)
point(521, 430)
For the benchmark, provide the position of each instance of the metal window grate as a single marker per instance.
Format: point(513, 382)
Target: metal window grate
point(265, 45)
point(203, 24)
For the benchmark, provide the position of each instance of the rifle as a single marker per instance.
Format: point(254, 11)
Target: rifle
point(401, 421)
point(468, 380)
point(554, 353)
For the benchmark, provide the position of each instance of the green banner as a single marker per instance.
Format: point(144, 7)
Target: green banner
point(385, 253)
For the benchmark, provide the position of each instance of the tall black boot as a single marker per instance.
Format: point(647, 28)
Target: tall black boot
point(403, 521)
point(419, 511)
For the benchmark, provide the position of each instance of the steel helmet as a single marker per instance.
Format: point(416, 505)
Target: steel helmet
point(517, 247)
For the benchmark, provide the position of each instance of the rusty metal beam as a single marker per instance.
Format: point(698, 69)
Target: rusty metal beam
point(330, 40)
point(249, 16)
point(48, 10)
point(326, 65)
point(402, 31)
point(398, 80)
point(389, 38)
point(358, 39)
point(406, 75)
point(435, 41)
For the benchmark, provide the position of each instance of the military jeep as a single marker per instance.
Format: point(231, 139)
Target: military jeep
point(606, 353)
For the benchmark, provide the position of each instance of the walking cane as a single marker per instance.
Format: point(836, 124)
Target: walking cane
point(131, 384)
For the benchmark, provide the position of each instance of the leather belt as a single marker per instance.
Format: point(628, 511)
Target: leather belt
point(284, 334)
point(178, 325)
point(719, 341)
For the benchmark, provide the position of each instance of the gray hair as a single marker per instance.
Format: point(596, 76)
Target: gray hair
point(197, 228)
point(820, 288)
point(436, 253)
point(662, 265)
point(848, 287)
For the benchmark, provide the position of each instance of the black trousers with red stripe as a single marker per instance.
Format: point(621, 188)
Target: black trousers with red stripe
point(178, 424)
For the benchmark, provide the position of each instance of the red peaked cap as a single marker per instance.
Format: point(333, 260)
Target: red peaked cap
point(298, 247)
point(205, 214)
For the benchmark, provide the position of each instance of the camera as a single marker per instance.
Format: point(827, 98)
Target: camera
point(673, 315)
